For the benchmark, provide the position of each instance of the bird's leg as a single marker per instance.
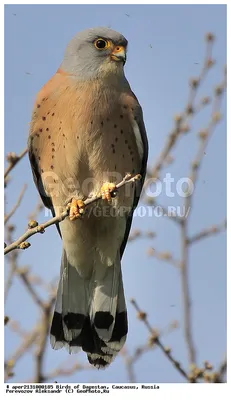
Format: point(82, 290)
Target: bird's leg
point(76, 209)
point(108, 191)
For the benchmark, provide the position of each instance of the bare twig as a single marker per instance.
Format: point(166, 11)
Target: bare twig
point(21, 243)
point(193, 176)
point(129, 365)
point(43, 335)
point(130, 361)
point(27, 342)
point(137, 233)
point(155, 340)
point(17, 204)
point(181, 120)
point(186, 295)
point(24, 276)
point(163, 256)
point(204, 136)
point(13, 159)
point(207, 232)
point(13, 258)
point(221, 372)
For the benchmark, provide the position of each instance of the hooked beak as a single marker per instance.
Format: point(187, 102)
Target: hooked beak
point(119, 54)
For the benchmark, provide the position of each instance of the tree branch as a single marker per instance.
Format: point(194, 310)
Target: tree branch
point(17, 204)
point(13, 159)
point(154, 339)
point(21, 243)
point(207, 232)
point(43, 336)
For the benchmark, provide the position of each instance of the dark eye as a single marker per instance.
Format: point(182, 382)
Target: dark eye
point(101, 44)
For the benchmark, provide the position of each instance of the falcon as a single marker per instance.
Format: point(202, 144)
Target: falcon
point(86, 133)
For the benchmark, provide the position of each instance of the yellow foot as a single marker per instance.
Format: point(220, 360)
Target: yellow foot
point(76, 209)
point(108, 190)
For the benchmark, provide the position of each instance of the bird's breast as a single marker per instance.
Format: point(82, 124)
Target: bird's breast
point(82, 137)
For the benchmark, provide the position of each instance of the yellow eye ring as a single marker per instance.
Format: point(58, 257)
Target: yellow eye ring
point(101, 44)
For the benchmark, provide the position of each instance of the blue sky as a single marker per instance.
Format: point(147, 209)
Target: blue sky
point(166, 47)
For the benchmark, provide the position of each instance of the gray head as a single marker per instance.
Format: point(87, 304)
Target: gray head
point(95, 53)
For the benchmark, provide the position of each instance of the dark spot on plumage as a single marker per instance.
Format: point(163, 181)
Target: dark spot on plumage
point(63, 133)
point(40, 130)
point(53, 150)
point(47, 129)
point(57, 327)
point(77, 137)
point(103, 320)
point(120, 328)
point(53, 114)
point(61, 122)
point(123, 155)
point(113, 151)
point(125, 107)
point(115, 126)
point(55, 181)
point(37, 134)
point(48, 112)
point(60, 128)
point(38, 106)
point(132, 109)
point(44, 118)
point(36, 149)
point(108, 119)
point(112, 145)
point(74, 320)
point(49, 136)
point(64, 146)
point(129, 147)
point(52, 166)
point(102, 123)
point(44, 98)
point(52, 144)
point(115, 167)
point(126, 142)
point(132, 159)
point(121, 131)
point(131, 152)
point(121, 116)
point(116, 139)
point(42, 170)
point(88, 338)
point(39, 158)
point(52, 157)
point(91, 122)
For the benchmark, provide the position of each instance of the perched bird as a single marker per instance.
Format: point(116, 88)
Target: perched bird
point(86, 133)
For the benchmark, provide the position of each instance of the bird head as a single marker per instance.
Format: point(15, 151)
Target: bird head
point(95, 53)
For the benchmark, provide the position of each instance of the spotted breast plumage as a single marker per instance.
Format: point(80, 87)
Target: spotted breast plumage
point(86, 133)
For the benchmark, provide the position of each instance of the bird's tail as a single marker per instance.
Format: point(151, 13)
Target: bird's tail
point(90, 314)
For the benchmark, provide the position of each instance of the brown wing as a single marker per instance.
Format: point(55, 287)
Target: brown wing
point(38, 180)
point(138, 116)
